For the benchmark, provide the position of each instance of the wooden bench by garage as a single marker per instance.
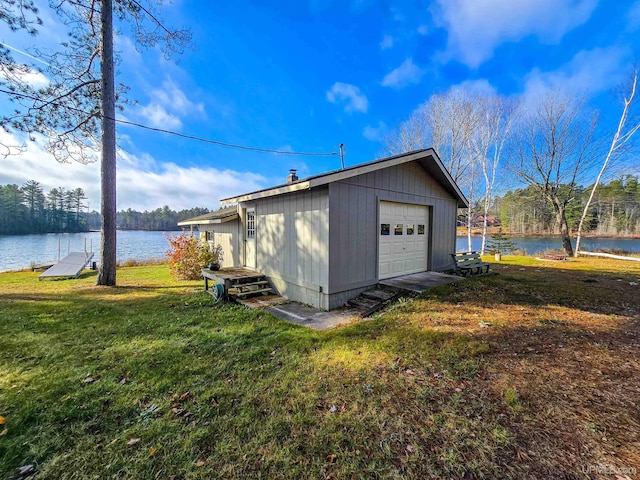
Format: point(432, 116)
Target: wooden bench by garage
point(469, 263)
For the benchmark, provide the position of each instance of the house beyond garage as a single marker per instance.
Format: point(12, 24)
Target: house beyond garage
point(323, 240)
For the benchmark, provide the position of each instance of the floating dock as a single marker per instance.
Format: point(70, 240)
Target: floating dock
point(70, 266)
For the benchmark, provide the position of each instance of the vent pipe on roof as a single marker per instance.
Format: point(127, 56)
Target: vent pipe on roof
point(292, 176)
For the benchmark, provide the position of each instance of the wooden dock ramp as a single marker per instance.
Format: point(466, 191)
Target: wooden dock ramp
point(70, 266)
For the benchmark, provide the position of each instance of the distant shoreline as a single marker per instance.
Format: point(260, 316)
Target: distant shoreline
point(462, 232)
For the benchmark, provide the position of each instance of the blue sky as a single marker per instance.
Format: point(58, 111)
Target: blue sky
point(308, 76)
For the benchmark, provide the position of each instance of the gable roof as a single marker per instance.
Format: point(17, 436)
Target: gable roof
point(428, 158)
point(219, 216)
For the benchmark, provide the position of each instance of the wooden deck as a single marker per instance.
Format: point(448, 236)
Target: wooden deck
point(239, 284)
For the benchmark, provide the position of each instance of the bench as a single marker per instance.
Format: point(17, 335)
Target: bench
point(469, 263)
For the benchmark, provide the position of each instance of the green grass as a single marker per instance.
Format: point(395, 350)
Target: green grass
point(152, 380)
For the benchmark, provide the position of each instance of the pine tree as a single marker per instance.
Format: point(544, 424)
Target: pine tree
point(500, 243)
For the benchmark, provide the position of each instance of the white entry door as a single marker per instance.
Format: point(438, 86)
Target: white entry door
point(403, 239)
point(250, 239)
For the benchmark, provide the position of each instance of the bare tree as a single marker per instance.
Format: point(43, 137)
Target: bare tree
point(444, 122)
point(495, 118)
point(76, 110)
point(552, 146)
point(619, 141)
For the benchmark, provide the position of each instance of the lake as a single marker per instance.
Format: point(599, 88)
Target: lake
point(534, 245)
point(20, 251)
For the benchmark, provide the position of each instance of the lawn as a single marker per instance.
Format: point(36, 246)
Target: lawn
point(532, 373)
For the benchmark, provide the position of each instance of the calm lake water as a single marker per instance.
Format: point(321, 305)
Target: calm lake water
point(534, 245)
point(20, 251)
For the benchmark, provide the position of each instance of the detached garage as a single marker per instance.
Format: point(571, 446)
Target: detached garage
point(325, 239)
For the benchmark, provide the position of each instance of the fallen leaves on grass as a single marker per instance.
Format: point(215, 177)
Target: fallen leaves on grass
point(133, 441)
point(153, 451)
point(125, 378)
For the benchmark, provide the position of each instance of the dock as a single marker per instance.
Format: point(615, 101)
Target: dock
point(70, 266)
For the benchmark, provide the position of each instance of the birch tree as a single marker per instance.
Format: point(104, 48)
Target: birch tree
point(445, 123)
point(620, 139)
point(552, 146)
point(495, 118)
point(75, 112)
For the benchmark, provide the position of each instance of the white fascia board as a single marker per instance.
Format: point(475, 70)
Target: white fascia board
point(294, 187)
point(208, 222)
point(354, 172)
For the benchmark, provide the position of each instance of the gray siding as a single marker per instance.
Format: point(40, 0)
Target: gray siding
point(292, 233)
point(353, 221)
point(227, 235)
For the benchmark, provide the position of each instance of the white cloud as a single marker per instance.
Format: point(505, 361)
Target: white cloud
point(168, 105)
point(143, 183)
point(406, 74)
point(477, 27)
point(423, 29)
point(350, 95)
point(377, 133)
point(386, 42)
point(32, 77)
point(157, 116)
point(475, 87)
point(579, 77)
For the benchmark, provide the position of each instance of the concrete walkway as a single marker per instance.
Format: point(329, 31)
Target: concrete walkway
point(420, 282)
point(321, 320)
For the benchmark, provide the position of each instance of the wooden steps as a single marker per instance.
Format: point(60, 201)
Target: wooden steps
point(249, 286)
point(235, 283)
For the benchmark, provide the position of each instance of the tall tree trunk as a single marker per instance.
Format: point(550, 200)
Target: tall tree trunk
point(107, 273)
point(563, 226)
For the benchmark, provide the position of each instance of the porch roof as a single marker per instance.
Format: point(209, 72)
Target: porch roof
point(222, 215)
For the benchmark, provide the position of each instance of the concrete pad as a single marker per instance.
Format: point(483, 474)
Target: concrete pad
point(420, 282)
point(313, 317)
point(321, 320)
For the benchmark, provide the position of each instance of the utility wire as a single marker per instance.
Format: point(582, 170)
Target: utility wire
point(177, 134)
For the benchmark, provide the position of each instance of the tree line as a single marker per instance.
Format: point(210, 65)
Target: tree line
point(614, 210)
point(29, 209)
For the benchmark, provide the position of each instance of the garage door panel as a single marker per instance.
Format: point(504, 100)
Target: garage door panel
point(402, 248)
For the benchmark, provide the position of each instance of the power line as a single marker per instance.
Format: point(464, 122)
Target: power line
point(178, 134)
point(6, 45)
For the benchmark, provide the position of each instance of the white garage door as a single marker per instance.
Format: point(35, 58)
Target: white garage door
point(403, 239)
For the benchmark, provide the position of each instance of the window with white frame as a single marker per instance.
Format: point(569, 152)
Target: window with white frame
point(251, 224)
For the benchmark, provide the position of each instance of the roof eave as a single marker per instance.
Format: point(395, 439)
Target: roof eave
point(208, 222)
point(270, 192)
point(441, 173)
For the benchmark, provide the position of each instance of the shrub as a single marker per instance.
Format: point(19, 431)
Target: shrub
point(188, 255)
